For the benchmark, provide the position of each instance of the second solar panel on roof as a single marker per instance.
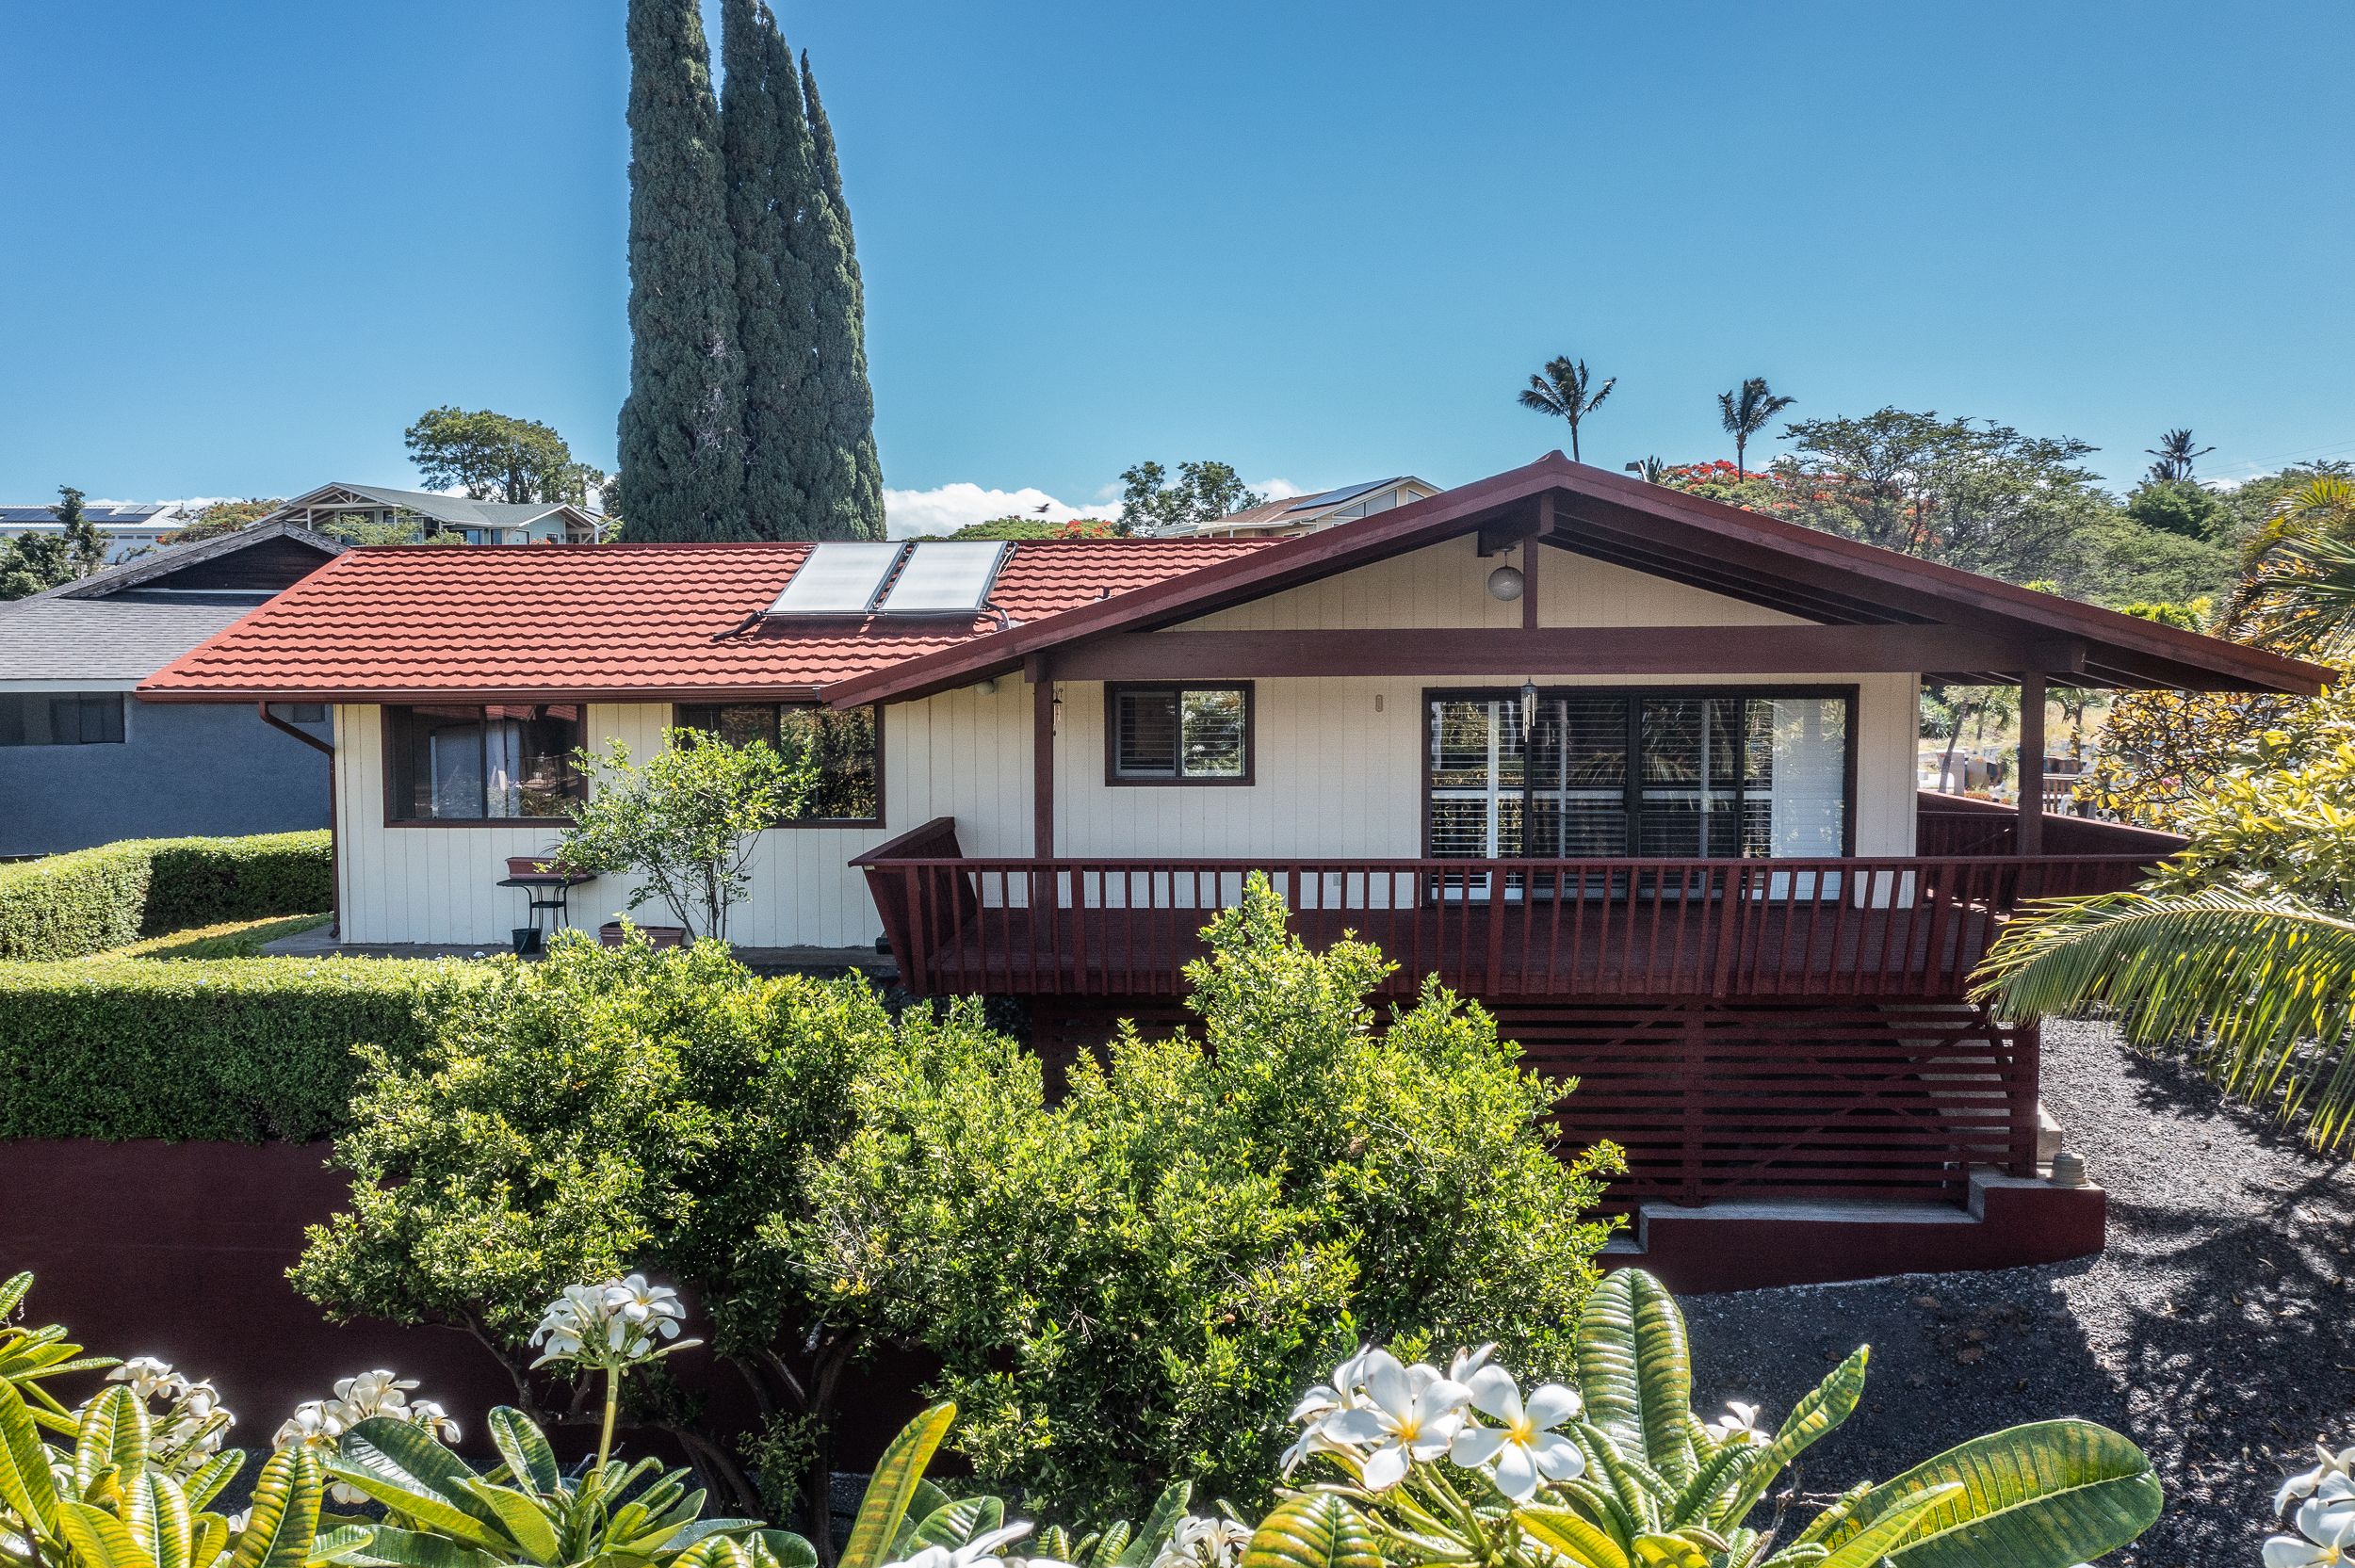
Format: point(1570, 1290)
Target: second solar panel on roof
point(838, 578)
point(944, 577)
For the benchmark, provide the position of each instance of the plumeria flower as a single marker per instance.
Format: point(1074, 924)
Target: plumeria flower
point(1204, 1541)
point(1739, 1425)
point(149, 1378)
point(377, 1393)
point(1463, 1364)
point(2325, 1526)
point(1341, 1393)
point(612, 1325)
point(1525, 1449)
point(311, 1426)
point(2305, 1482)
point(435, 1420)
point(979, 1552)
point(1408, 1419)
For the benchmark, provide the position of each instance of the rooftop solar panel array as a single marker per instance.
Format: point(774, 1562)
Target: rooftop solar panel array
point(838, 578)
point(934, 577)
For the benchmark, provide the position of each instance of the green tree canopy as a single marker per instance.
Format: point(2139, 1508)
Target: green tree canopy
point(1151, 503)
point(497, 456)
point(224, 517)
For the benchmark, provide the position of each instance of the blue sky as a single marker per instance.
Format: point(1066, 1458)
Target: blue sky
point(249, 242)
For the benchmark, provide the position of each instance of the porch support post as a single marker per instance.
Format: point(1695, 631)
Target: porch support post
point(1532, 548)
point(1036, 671)
point(2031, 836)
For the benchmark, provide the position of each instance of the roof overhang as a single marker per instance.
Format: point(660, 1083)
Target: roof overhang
point(1958, 625)
point(483, 696)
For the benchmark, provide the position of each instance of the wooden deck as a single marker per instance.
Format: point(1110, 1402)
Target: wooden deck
point(1910, 928)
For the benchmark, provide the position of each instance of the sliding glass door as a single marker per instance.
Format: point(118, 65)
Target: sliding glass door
point(1652, 775)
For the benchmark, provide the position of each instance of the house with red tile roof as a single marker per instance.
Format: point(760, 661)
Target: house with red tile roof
point(1633, 768)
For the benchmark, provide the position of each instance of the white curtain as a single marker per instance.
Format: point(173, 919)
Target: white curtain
point(503, 767)
point(1808, 793)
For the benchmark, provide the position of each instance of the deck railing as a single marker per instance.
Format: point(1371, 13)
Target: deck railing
point(1910, 928)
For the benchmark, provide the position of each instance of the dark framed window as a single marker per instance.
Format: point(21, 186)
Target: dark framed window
point(61, 718)
point(1178, 735)
point(846, 743)
point(301, 713)
point(1651, 772)
point(500, 763)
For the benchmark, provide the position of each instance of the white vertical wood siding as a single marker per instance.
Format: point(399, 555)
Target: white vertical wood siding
point(1339, 770)
point(960, 754)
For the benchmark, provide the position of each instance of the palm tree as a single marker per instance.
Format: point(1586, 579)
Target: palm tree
point(2175, 453)
point(1562, 392)
point(1745, 413)
point(1651, 471)
point(2298, 588)
point(2266, 983)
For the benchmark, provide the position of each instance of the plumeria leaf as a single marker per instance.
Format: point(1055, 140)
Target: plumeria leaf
point(889, 1494)
point(1727, 1467)
point(2042, 1495)
point(1635, 1370)
point(26, 1484)
point(524, 1447)
point(926, 1501)
point(1668, 1551)
point(959, 1523)
point(214, 1473)
point(285, 1512)
point(1896, 1523)
point(172, 1535)
point(385, 1547)
point(1315, 1529)
point(1571, 1533)
point(1826, 1406)
point(524, 1518)
point(784, 1549)
point(98, 1539)
point(112, 1435)
point(1837, 1514)
point(1168, 1510)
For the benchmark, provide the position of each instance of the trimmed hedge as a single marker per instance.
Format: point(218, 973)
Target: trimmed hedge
point(91, 901)
point(238, 1050)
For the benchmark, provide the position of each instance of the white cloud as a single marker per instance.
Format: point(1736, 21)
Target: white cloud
point(948, 508)
point(1279, 490)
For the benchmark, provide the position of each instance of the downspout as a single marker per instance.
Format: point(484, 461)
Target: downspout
point(335, 812)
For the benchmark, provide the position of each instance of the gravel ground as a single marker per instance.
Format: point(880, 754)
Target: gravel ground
point(2214, 1331)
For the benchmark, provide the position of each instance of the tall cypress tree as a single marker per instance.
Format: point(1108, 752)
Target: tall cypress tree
point(682, 459)
point(846, 488)
point(769, 173)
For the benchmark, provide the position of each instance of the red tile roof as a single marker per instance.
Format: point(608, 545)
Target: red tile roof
point(625, 620)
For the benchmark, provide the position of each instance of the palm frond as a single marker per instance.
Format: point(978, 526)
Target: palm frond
point(1602, 392)
point(2258, 991)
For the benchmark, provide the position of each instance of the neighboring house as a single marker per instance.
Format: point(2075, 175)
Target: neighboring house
point(474, 522)
point(83, 761)
point(1633, 768)
point(126, 529)
point(1304, 514)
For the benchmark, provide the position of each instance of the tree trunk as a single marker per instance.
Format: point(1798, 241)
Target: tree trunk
point(1741, 456)
point(1954, 738)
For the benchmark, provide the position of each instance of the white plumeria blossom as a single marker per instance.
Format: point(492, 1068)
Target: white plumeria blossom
point(1411, 1415)
point(979, 1552)
point(613, 1324)
point(1524, 1450)
point(2326, 1528)
point(149, 1378)
point(2306, 1483)
point(1739, 1425)
point(319, 1424)
point(1204, 1541)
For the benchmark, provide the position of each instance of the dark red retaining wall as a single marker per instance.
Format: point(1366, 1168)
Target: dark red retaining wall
point(181, 1251)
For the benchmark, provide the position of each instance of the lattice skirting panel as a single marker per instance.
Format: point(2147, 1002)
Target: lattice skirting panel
point(1714, 1102)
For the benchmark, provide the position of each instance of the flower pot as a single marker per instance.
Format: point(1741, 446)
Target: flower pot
point(656, 937)
point(526, 939)
point(534, 865)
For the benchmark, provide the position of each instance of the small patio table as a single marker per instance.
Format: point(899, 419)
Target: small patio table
point(546, 893)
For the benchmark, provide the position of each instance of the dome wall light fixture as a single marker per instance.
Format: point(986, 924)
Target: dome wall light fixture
point(1504, 583)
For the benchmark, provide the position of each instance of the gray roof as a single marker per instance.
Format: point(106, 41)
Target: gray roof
point(106, 640)
point(448, 508)
point(168, 558)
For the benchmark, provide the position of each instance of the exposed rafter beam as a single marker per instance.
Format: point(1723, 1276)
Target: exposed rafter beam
point(1562, 651)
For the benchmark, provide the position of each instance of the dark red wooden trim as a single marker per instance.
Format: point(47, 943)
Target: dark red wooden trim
point(1532, 555)
point(2031, 840)
point(1043, 762)
point(1164, 657)
point(1695, 529)
point(1114, 778)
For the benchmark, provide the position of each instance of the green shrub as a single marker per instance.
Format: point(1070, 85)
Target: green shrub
point(242, 1050)
point(92, 900)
